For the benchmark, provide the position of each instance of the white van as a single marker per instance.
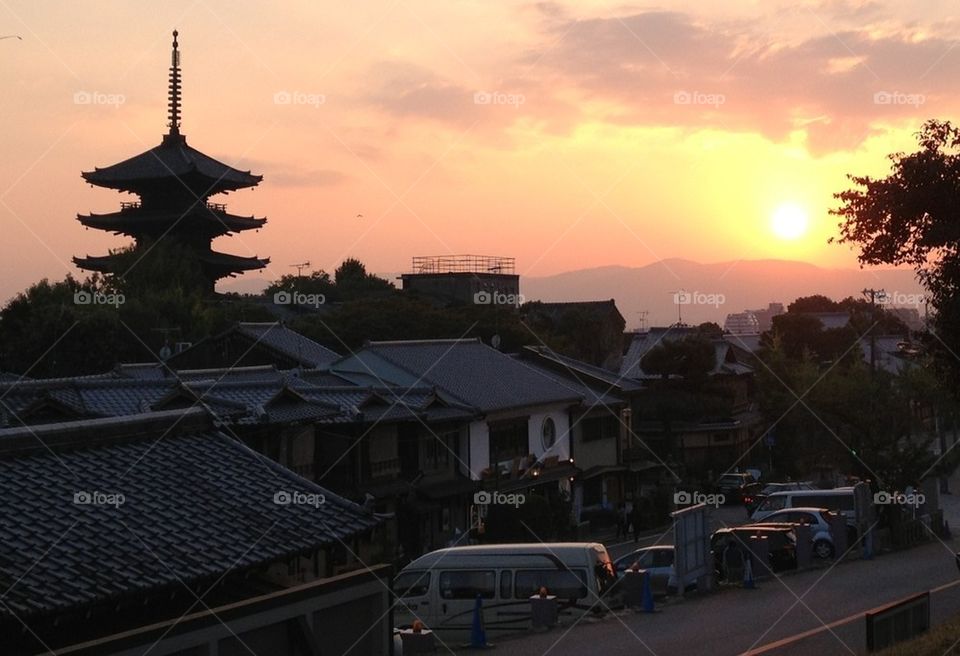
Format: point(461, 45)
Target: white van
point(440, 588)
point(840, 500)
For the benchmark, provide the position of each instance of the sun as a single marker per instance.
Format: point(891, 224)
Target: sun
point(789, 221)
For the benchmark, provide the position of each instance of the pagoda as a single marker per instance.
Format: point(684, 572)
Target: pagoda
point(174, 182)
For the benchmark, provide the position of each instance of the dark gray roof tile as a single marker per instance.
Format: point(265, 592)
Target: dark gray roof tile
point(195, 506)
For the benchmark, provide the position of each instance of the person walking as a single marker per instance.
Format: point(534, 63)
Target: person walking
point(621, 520)
point(635, 520)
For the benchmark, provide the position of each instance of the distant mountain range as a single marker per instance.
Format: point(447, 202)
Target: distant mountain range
point(714, 290)
point(711, 291)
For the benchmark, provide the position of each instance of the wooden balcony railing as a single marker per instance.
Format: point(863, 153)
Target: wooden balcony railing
point(384, 467)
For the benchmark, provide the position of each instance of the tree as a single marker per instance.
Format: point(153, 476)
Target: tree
point(815, 303)
point(690, 358)
point(912, 217)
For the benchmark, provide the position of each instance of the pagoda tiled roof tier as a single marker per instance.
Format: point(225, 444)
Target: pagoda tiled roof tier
point(173, 161)
point(218, 265)
point(212, 220)
point(222, 264)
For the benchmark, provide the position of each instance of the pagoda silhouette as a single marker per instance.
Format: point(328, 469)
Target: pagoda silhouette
point(173, 182)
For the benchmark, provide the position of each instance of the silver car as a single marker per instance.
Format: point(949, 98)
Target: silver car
point(817, 518)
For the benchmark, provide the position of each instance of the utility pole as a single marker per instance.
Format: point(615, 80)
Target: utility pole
point(300, 267)
point(873, 295)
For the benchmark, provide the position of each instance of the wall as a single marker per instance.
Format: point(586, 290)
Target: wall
point(346, 612)
point(480, 435)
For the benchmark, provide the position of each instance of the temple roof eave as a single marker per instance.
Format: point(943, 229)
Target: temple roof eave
point(127, 222)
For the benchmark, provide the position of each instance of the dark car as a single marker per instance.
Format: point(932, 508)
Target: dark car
point(734, 486)
point(781, 540)
point(754, 498)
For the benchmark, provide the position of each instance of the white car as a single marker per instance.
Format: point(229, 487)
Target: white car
point(657, 560)
point(817, 518)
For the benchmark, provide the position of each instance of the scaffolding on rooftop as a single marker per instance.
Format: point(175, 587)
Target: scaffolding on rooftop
point(463, 264)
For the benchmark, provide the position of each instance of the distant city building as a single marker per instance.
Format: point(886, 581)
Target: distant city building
point(173, 182)
point(752, 322)
point(765, 317)
point(479, 279)
point(742, 323)
point(909, 316)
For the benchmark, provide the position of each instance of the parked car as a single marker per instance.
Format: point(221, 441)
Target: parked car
point(839, 500)
point(781, 539)
point(734, 486)
point(440, 588)
point(751, 501)
point(817, 518)
point(657, 560)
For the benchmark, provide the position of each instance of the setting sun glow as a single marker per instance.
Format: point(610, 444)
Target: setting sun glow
point(789, 221)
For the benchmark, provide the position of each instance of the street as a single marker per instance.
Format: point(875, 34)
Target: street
point(734, 621)
point(819, 611)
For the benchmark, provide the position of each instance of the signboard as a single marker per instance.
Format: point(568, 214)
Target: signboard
point(691, 544)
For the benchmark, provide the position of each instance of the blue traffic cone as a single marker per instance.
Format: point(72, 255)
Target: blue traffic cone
point(478, 636)
point(647, 596)
point(748, 575)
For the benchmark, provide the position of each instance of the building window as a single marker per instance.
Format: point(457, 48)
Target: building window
point(548, 433)
point(596, 428)
point(508, 441)
point(439, 449)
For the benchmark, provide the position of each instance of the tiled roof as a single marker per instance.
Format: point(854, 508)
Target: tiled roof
point(599, 307)
point(584, 370)
point(157, 371)
point(289, 343)
point(724, 358)
point(231, 399)
point(468, 370)
point(194, 507)
point(594, 395)
point(173, 157)
point(749, 343)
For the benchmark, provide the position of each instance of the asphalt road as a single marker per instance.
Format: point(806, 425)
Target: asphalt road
point(814, 612)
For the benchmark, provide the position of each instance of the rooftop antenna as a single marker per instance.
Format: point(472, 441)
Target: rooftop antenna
point(643, 319)
point(677, 300)
point(300, 267)
point(174, 94)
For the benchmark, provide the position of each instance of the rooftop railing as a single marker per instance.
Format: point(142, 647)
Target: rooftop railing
point(463, 264)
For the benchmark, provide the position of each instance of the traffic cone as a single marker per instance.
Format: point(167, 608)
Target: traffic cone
point(647, 598)
point(748, 575)
point(478, 636)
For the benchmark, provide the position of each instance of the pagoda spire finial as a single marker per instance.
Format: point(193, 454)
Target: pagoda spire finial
point(174, 89)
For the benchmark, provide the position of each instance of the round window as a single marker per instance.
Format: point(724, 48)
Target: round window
point(548, 433)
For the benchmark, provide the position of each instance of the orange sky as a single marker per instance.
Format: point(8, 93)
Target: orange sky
point(602, 133)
